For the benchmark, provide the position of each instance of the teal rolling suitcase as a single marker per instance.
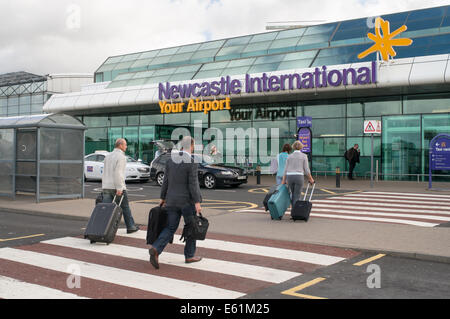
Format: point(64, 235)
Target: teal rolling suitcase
point(279, 202)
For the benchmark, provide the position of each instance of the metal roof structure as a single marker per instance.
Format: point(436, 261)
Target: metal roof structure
point(21, 77)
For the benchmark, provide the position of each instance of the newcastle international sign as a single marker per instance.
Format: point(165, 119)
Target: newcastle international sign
point(321, 77)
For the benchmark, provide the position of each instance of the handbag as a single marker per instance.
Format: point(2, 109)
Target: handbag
point(196, 230)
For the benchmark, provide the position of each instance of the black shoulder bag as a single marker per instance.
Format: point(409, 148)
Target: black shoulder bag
point(195, 230)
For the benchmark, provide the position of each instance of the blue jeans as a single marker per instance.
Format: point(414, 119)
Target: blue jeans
point(173, 220)
point(108, 195)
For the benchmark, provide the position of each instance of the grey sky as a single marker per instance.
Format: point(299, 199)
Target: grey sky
point(63, 36)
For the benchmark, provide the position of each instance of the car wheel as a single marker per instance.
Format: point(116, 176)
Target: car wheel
point(160, 178)
point(209, 181)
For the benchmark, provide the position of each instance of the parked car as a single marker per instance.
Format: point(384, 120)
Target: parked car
point(135, 170)
point(209, 175)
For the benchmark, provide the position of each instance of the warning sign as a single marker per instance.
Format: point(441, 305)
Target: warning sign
point(372, 127)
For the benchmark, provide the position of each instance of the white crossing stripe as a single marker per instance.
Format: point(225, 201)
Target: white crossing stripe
point(425, 210)
point(405, 209)
point(250, 249)
point(162, 285)
point(410, 194)
point(11, 288)
point(396, 197)
point(369, 203)
point(388, 220)
point(360, 212)
point(207, 264)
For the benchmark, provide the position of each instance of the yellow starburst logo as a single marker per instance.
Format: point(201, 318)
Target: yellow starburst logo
point(385, 43)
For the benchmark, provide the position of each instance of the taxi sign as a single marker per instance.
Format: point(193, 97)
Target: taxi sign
point(372, 127)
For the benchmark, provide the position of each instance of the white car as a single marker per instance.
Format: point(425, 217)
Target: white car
point(93, 168)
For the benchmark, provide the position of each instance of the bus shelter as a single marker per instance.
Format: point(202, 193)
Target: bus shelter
point(42, 154)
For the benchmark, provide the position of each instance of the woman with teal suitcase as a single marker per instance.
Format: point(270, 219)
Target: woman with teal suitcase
point(296, 169)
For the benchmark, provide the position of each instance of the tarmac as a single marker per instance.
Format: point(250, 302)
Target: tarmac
point(425, 243)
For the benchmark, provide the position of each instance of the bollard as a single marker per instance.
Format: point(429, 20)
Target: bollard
point(338, 177)
point(258, 174)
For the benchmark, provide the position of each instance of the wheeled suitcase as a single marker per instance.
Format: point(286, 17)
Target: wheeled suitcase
point(302, 208)
point(104, 222)
point(157, 220)
point(279, 202)
point(267, 197)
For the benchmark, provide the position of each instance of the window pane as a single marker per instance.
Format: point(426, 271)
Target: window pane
point(241, 62)
point(355, 109)
point(377, 108)
point(292, 33)
point(214, 66)
point(328, 127)
point(208, 74)
point(237, 41)
point(211, 45)
point(296, 64)
point(327, 164)
point(264, 37)
point(432, 103)
point(328, 146)
point(151, 118)
point(324, 111)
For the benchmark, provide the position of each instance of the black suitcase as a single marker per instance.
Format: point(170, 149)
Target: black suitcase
point(104, 222)
point(267, 197)
point(157, 221)
point(302, 208)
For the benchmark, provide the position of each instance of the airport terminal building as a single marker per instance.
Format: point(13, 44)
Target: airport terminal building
point(268, 80)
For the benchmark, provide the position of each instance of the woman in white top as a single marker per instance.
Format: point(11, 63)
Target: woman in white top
point(296, 168)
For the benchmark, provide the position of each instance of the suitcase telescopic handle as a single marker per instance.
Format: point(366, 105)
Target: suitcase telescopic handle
point(121, 198)
point(312, 191)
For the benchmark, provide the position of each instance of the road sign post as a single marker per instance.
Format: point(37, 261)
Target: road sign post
point(439, 155)
point(372, 127)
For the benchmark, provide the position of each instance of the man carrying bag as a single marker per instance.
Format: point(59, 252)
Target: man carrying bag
point(180, 194)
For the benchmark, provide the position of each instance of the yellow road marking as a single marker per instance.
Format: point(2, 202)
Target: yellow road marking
point(294, 291)
point(368, 260)
point(230, 206)
point(327, 191)
point(258, 190)
point(23, 237)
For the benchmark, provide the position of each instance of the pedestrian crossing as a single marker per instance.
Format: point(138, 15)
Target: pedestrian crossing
point(424, 210)
point(232, 266)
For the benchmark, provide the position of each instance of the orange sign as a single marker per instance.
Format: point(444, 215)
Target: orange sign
point(385, 42)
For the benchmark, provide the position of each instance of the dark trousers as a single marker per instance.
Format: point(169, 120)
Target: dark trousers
point(350, 169)
point(108, 196)
point(173, 220)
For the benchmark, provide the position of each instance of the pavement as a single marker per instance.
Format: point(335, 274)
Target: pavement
point(425, 243)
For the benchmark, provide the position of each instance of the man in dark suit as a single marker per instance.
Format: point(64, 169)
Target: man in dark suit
point(180, 193)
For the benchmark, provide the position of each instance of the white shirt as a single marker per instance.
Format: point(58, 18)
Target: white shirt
point(114, 170)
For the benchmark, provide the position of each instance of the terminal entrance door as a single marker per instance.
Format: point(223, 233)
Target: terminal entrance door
point(402, 147)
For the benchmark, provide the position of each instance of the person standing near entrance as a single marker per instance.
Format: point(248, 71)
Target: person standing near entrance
point(113, 181)
point(296, 169)
point(352, 156)
point(180, 194)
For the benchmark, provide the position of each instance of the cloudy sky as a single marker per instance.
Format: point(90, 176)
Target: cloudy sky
point(64, 36)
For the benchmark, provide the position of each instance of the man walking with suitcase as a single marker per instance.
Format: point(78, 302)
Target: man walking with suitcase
point(113, 181)
point(180, 193)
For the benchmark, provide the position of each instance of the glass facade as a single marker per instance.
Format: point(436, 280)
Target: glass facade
point(327, 44)
point(409, 121)
point(23, 99)
point(401, 150)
